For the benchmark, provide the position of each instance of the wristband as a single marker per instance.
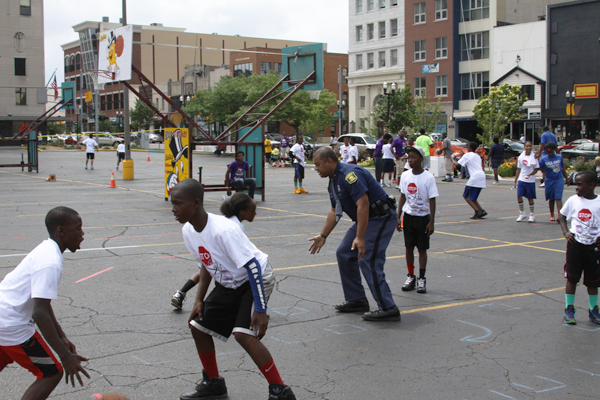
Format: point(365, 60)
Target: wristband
point(324, 237)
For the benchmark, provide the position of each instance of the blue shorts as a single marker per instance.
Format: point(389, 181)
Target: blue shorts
point(526, 189)
point(496, 163)
point(471, 193)
point(554, 189)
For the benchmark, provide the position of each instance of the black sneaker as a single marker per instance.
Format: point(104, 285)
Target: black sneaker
point(482, 214)
point(213, 389)
point(410, 283)
point(391, 314)
point(277, 391)
point(177, 299)
point(360, 305)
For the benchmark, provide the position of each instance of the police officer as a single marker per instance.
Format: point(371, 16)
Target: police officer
point(354, 191)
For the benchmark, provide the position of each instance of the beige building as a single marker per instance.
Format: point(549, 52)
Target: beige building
point(163, 54)
point(22, 92)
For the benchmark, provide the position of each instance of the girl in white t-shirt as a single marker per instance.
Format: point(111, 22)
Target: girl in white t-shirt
point(387, 160)
point(472, 161)
point(527, 166)
point(240, 207)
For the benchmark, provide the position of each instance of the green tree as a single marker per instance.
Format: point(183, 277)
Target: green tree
point(402, 109)
point(494, 111)
point(318, 117)
point(141, 115)
point(425, 114)
point(53, 128)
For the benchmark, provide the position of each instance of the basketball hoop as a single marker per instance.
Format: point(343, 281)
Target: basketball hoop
point(314, 94)
point(96, 73)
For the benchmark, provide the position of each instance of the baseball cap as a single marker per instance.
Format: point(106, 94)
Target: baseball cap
point(417, 149)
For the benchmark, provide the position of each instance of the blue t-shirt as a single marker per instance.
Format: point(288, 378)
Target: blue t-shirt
point(398, 144)
point(552, 166)
point(497, 152)
point(548, 137)
point(351, 183)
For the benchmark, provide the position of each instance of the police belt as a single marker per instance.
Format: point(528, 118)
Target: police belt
point(382, 207)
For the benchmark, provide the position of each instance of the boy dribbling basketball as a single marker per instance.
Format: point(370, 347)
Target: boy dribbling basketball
point(225, 253)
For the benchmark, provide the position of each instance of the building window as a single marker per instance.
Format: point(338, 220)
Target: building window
point(475, 9)
point(102, 103)
point(242, 69)
point(419, 50)
point(441, 85)
point(381, 29)
point(362, 101)
point(109, 101)
point(278, 67)
point(420, 86)
point(359, 6)
point(441, 47)
point(419, 13)
point(359, 61)
point(370, 60)
point(370, 32)
point(393, 27)
point(21, 96)
point(370, 5)
point(475, 46)
point(393, 57)
point(78, 61)
point(441, 9)
point(528, 90)
point(25, 7)
point(381, 59)
point(362, 122)
point(359, 33)
point(265, 67)
point(474, 85)
point(382, 3)
point(116, 101)
point(20, 69)
point(394, 3)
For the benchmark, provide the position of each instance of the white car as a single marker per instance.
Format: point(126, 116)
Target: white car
point(102, 138)
point(361, 140)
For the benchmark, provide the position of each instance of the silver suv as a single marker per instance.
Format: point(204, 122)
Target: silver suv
point(102, 138)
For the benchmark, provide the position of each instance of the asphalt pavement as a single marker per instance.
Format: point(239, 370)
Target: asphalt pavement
point(489, 326)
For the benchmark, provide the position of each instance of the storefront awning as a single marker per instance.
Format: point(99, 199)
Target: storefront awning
point(463, 115)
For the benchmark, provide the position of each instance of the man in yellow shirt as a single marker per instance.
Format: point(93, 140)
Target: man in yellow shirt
point(268, 151)
point(425, 142)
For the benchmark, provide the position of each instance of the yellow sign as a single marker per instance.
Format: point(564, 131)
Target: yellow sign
point(177, 142)
point(586, 91)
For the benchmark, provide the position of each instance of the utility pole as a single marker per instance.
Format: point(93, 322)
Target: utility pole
point(126, 100)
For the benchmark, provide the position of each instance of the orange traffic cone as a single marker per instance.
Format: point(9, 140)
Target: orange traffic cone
point(51, 178)
point(112, 181)
point(148, 159)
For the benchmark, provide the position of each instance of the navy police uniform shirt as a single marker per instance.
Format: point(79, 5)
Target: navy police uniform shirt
point(351, 182)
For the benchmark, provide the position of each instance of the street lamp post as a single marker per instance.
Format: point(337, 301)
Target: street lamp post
point(341, 106)
point(570, 108)
point(388, 95)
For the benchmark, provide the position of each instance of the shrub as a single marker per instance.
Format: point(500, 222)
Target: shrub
point(581, 165)
point(507, 169)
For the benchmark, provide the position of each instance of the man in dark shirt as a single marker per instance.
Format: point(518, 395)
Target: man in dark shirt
point(496, 155)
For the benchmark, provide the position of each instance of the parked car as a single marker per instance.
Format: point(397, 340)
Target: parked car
point(67, 139)
point(573, 144)
point(156, 138)
point(102, 138)
point(512, 148)
point(362, 141)
point(460, 142)
point(588, 150)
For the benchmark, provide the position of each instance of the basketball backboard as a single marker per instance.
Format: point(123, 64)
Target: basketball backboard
point(115, 54)
point(300, 62)
point(68, 95)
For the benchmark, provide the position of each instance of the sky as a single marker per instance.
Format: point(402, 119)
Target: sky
point(304, 20)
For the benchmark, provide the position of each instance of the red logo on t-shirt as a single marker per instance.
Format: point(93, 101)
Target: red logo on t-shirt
point(584, 215)
point(525, 162)
point(205, 257)
point(412, 188)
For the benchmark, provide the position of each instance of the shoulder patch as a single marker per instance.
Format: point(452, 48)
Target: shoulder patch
point(351, 178)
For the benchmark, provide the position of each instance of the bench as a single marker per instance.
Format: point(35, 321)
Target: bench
point(222, 188)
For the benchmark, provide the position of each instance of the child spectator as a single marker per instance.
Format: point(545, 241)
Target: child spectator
point(553, 167)
point(353, 154)
point(299, 163)
point(268, 151)
point(527, 166)
point(583, 240)
point(25, 296)
point(275, 156)
point(242, 276)
point(388, 160)
point(120, 154)
point(240, 207)
point(345, 150)
point(417, 201)
point(472, 162)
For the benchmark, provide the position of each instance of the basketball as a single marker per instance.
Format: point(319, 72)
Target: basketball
point(115, 396)
point(119, 45)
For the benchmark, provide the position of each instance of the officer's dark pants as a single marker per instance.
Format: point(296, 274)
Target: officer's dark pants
point(378, 236)
point(377, 161)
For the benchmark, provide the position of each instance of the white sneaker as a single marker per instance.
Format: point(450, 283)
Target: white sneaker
point(521, 217)
point(543, 184)
point(495, 183)
point(532, 218)
point(389, 185)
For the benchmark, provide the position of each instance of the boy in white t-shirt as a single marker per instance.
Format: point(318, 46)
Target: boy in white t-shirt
point(583, 242)
point(25, 299)
point(225, 254)
point(527, 166)
point(353, 153)
point(120, 154)
point(299, 163)
point(387, 160)
point(90, 147)
point(472, 161)
point(345, 150)
point(417, 201)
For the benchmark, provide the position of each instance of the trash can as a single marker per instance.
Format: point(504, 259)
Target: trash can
point(127, 170)
point(145, 140)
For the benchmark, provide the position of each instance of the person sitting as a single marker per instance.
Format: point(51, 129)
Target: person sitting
point(238, 177)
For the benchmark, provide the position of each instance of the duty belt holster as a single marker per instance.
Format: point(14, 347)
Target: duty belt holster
point(382, 207)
